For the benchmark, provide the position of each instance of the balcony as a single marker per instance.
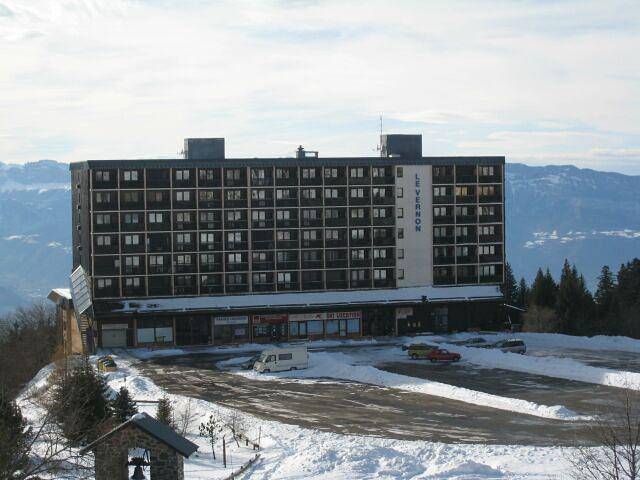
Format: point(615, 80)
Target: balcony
point(211, 289)
point(262, 202)
point(467, 259)
point(235, 203)
point(184, 247)
point(185, 268)
point(312, 243)
point(360, 200)
point(158, 204)
point(384, 262)
point(384, 283)
point(466, 199)
point(359, 242)
point(209, 203)
point(443, 179)
point(262, 182)
point(290, 223)
point(287, 244)
point(258, 224)
point(386, 200)
point(211, 267)
point(159, 269)
point(442, 199)
point(384, 221)
point(339, 180)
point(448, 240)
point(361, 283)
point(467, 279)
point(444, 280)
point(360, 180)
point(360, 263)
point(384, 241)
point(185, 225)
point(337, 263)
point(490, 198)
point(443, 220)
point(360, 222)
point(337, 284)
point(317, 180)
point(237, 287)
point(133, 270)
point(335, 202)
point(312, 264)
point(490, 178)
point(262, 266)
point(237, 267)
point(236, 224)
point(211, 246)
point(209, 178)
point(497, 218)
point(287, 202)
point(264, 287)
point(496, 258)
point(491, 278)
point(466, 219)
point(336, 222)
point(235, 182)
point(447, 260)
point(237, 245)
point(160, 286)
point(288, 265)
point(210, 225)
point(386, 180)
point(466, 239)
point(311, 222)
point(490, 238)
point(287, 286)
point(313, 285)
point(311, 202)
point(185, 290)
point(262, 244)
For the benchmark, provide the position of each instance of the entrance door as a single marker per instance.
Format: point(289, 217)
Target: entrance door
point(193, 330)
point(114, 337)
point(343, 328)
point(302, 329)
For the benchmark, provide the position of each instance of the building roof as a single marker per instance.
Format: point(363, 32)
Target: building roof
point(344, 298)
point(283, 161)
point(60, 296)
point(156, 429)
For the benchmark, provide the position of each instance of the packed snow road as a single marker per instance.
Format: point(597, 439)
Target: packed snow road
point(360, 409)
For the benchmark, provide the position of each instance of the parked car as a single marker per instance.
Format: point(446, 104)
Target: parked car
point(441, 355)
point(248, 365)
point(470, 342)
point(514, 345)
point(282, 359)
point(419, 350)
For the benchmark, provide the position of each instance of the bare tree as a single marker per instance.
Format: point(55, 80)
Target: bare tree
point(236, 424)
point(616, 434)
point(184, 418)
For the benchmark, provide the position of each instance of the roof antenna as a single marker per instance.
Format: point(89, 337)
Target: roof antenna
point(380, 139)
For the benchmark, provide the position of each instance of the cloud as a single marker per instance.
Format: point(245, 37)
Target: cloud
point(113, 78)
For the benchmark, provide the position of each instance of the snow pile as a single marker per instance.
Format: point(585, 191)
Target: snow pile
point(340, 366)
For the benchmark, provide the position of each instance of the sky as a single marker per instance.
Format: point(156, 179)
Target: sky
point(540, 82)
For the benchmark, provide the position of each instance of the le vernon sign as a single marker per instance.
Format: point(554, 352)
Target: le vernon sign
point(418, 204)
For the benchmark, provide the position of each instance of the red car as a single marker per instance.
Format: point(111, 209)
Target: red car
point(440, 355)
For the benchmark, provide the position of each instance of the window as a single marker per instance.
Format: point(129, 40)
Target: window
point(379, 253)
point(206, 175)
point(440, 252)
point(487, 250)
point(207, 259)
point(131, 197)
point(283, 194)
point(462, 231)
point(400, 253)
point(207, 217)
point(358, 254)
point(285, 356)
point(332, 234)
point(184, 238)
point(234, 194)
point(462, 251)
point(358, 275)
point(283, 235)
point(284, 277)
point(440, 232)
point(156, 197)
point(234, 215)
point(183, 281)
point(183, 217)
point(130, 175)
point(401, 274)
point(259, 278)
point(379, 274)
point(309, 193)
point(463, 191)
point(234, 257)
point(103, 219)
point(308, 173)
point(207, 238)
point(357, 233)
point(310, 214)
point(489, 211)
point(358, 213)
point(258, 215)
point(258, 174)
point(330, 172)
point(259, 256)
point(379, 233)
point(487, 171)
point(132, 261)
point(379, 213)
point(183, 196)
point(399, 172)
point(488, 190)
point(439, 211)
point(439, 191)
point(487, 270)
point(286, 257)
point(103, 240)
point(357, 193)
point(258, 194)
point(234, 237)
point(311, 255)
point(487, 230)
point(235, 279)
point(399, 192)
point(233, 174)
point(356, 172)
point(377, 172)
point(331, 213)
point(103, 197)
point(183, 260)
point(283, 173)
point(156, 260)
point(155, 218)
point(331, 193)
point(182, 175)
point(132, 239)
point(283, 214)
point(104, 283)
point(102, 176)
point(400, 233)
point(379, 192)
point(310, 235)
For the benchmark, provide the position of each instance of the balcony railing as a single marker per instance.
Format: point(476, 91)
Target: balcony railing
point(449, 260)
point(466, 199)
point(313, 285)
point(237, 287)
point(442, 179)
point(264, 287)
point(466, 219)
point(336, 222)
point(490, 199)
point(262, 266)
point(443, 219)
point(337, 285)
point(338, 263)
point(449, 280)
point(211, 289)
point(443, 240)
point(443, 199)
point(467, 259)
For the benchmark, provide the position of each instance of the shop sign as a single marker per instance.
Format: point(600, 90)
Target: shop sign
point(403, 312)
point(275, 318)
point(306, 317)
point(237, 320)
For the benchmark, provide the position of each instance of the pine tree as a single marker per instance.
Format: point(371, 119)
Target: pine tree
point(164, 412)
point(14, 438)
point(510, 286)
point(543, 290)
point(123, 405)
point(522, 294)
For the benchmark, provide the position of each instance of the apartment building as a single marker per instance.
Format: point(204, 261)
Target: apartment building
point(207, 249)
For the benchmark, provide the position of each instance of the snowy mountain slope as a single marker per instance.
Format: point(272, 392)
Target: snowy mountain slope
point(590, 217)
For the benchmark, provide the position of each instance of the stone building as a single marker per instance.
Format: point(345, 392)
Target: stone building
point(166, 448)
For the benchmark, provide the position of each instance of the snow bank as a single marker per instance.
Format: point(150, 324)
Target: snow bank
point(340, 366)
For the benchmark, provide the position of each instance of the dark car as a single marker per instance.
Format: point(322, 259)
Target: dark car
point(441, 355)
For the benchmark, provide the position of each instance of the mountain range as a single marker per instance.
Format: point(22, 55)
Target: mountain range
point(553, 212)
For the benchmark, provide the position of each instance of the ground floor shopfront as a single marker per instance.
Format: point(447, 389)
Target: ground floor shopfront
point(272, 326)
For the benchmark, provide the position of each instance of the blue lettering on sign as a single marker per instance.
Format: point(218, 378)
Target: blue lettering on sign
point(418, 211)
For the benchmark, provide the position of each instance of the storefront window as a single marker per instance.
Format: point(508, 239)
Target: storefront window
point(155, 330)
point(333, 327)
point(230, 329)
point(353, 326)
point(315, 327)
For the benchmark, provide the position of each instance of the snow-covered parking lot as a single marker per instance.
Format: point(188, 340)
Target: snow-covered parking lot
point(363, 409)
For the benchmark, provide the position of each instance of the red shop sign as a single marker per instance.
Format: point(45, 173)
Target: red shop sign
point(275, 318)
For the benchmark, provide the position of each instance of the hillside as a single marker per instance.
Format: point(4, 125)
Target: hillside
point(590, 217)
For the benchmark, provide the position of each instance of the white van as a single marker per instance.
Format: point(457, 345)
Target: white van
point(281, 359)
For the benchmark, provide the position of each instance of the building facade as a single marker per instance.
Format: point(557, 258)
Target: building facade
point(207, 249)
